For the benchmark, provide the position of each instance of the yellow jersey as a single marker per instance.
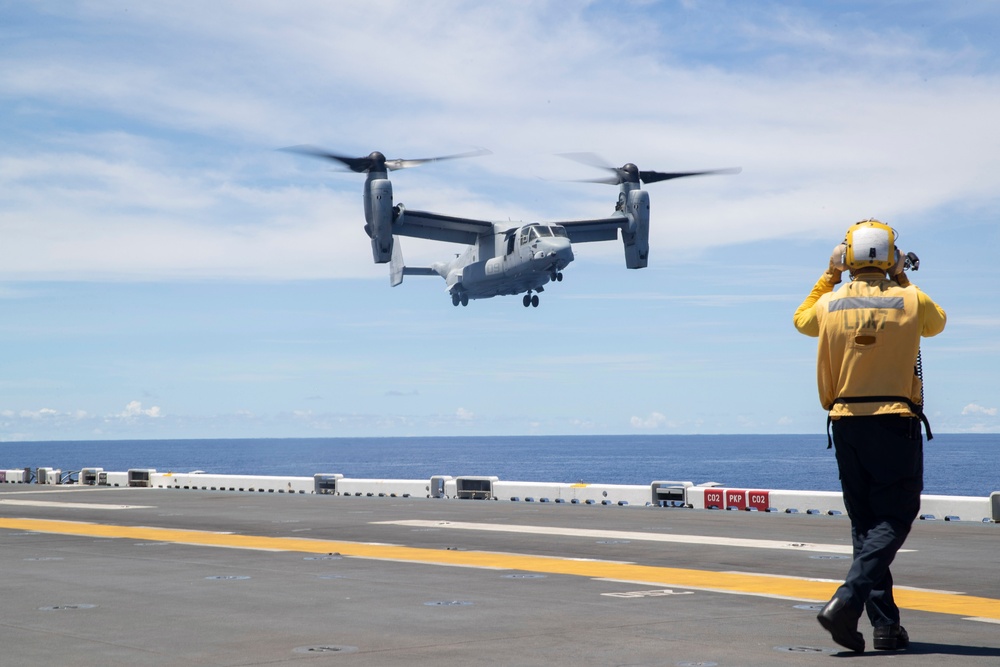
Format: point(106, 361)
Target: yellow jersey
point(869, 336)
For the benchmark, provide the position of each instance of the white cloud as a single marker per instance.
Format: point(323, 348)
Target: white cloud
point(974, 409)
point(192, 188)
point(44, 414)
point(655, 420)
point(464, 415)
point(39, 414)
point(134, 409)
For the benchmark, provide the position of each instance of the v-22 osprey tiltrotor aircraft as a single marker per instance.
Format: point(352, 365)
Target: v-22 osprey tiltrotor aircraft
point(502, 258)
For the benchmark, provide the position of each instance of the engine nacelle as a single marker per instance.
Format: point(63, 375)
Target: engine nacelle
point(379, 225)
point(636, 237)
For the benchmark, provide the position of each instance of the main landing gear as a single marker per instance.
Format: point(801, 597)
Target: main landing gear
point(532, 299)
point(457, 298)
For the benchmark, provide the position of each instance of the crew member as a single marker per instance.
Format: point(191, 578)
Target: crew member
point(868, 375)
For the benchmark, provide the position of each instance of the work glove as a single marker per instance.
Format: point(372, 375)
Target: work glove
point(900, 264)
point(837, 265)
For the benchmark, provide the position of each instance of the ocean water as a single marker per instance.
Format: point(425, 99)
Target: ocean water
point(955, 464)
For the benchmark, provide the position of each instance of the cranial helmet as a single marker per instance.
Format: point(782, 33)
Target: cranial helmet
point(870, 243)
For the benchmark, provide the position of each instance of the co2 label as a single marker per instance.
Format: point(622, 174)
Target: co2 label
point(739, 499)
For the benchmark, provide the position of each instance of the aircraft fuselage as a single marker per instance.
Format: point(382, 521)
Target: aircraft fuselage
point(521, 259)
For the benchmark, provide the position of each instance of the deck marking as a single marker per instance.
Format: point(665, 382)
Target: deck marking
point(627, 535)
point(70, 505)
point(791, 588)
point(61, 488)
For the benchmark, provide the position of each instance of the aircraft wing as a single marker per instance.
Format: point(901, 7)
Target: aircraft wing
point(437, 227)
point(603, 229)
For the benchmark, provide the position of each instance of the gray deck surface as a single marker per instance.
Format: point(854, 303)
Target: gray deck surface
point(70, 596)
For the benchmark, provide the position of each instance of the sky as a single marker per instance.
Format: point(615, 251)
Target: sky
point(167, 272)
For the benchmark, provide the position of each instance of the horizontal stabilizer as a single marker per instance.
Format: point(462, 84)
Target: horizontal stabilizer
point(419, 271)
point(397, 269)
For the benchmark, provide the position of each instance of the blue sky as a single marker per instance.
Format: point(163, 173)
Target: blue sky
point(165, 272)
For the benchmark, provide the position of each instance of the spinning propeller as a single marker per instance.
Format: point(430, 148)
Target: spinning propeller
point(376, 161)
point(630, 173)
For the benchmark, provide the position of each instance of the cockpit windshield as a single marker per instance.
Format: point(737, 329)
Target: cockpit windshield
point(540, 231)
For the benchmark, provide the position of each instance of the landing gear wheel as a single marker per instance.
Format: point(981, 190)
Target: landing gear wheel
point(559, 277)
point(534, 301)
point(465, 299)
point(455, 299)
point(527, 300)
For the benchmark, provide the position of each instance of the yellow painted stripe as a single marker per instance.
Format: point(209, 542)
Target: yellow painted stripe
point(726, 582)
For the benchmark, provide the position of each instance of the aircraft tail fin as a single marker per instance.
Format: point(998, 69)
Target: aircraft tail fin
point(397, 269)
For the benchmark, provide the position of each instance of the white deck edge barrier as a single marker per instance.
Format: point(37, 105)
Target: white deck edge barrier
point(684, 494)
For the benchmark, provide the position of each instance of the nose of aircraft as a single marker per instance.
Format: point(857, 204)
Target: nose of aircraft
point(555, 247)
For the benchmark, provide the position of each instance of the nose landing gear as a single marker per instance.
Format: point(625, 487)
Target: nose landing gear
point(457, 298)
point(530, 300)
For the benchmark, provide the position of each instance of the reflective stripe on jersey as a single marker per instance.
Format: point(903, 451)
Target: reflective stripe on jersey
point(856, 302)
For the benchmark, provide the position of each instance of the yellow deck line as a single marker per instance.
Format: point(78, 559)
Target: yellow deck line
point(726, 582)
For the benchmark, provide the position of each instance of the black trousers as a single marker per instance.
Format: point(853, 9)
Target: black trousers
point(881, 462)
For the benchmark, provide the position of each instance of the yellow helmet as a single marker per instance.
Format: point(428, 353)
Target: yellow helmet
point(870, 243)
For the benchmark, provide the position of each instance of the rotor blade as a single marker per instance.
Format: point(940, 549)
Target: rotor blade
point(595, 160)
point(403, 164)
point(656, 176)
point(375, 160)
point(356, 164)
point(612, 180)
point(589, 159)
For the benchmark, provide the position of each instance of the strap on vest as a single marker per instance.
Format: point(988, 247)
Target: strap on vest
point(915, 408)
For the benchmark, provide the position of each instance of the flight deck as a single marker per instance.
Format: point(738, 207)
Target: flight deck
point(162, 576)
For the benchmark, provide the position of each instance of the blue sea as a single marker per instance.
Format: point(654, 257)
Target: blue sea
point(955, 464)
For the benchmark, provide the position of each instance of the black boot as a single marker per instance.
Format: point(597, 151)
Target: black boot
point(891, 637)
point(842, 623)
